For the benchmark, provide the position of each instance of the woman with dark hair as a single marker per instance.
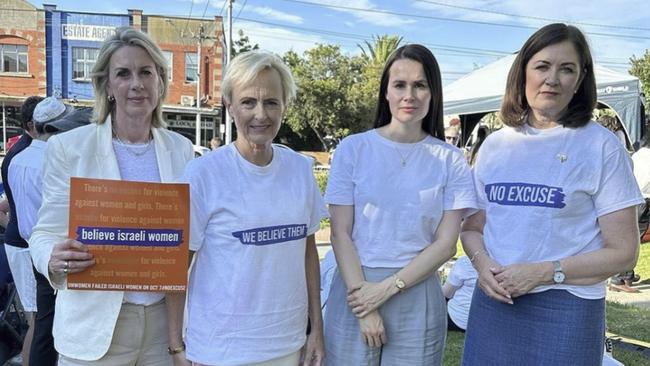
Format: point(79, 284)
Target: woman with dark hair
point(397, 194)
point(557, 214)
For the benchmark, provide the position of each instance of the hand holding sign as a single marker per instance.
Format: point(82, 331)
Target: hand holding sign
point(70, 256)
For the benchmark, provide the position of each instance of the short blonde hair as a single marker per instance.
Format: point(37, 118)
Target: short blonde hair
point(125, 36)
point(246, 67)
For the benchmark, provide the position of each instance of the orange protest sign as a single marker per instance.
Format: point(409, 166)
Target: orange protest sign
point(138, 233)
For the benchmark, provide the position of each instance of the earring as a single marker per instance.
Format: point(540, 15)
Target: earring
point(111, 99)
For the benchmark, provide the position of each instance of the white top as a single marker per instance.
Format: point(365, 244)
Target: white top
point(397, 208)
point(25, 173)
point(543, 191)
point(641, 161)
point(247, 299)
point(463, 277)
point(137, 162)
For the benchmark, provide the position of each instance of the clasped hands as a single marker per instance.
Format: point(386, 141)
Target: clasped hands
point(503, 283)
point(365, 299)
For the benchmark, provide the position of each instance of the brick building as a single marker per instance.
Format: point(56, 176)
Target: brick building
point(52, 51)
point(22, 61)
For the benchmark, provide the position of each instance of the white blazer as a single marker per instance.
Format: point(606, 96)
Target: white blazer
point(84, 321)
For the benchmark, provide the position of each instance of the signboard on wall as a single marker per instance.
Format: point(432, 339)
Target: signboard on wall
point(83, 32)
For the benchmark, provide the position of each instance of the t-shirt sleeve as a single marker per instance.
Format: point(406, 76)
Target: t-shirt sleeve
point(340, 186)
point(459, 190)
point(318, 210)
point(454, 278)
point(461, 272)
point(198, 211)
point(617, 188)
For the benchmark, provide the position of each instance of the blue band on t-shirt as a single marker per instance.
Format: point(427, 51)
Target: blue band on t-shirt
point(129, 237)
point(271, 234)
point(525, 194)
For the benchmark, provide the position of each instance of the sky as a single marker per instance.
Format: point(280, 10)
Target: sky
point(462, 34)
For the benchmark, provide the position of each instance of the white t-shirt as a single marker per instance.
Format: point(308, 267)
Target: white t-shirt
point(463, 277)
point(641, 161)
point(397, 208)
point(247, 299)
point(543, 191)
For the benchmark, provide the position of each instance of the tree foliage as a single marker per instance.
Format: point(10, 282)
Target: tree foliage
point(337, 94)
point(641, 69)
point(377, 52)
point(374, 57)
point(242, 44)
point(324, 78)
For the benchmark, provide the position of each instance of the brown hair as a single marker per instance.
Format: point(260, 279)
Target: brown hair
point(515, 108)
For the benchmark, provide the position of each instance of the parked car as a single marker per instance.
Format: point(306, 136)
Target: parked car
point(200, 150)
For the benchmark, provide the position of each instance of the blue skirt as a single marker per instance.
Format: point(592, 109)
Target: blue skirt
point(552, 327)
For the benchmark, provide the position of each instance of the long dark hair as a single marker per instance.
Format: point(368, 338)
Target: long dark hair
point(515, 107)
point(432, 123)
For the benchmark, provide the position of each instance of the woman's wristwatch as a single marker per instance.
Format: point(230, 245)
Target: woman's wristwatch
point(399, 283)
point(175, 350)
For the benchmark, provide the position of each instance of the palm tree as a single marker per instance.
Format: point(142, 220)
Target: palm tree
point(377, 52)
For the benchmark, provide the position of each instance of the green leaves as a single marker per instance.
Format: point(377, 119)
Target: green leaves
point(641, 69)
point(337, 94)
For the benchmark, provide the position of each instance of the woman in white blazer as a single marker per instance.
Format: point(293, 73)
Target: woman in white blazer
point(128, 142)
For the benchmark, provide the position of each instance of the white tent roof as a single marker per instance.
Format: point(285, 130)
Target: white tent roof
point(482, 90)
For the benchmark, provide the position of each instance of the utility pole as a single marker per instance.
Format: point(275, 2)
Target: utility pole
point(200, 37)
point(228, 57)
point(198, 87)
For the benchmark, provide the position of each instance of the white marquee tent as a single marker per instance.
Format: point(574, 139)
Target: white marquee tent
point(481, 91)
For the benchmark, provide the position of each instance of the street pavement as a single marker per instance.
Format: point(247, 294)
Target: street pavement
point(640, 299)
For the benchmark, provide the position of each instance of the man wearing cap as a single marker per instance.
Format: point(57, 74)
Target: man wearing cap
point(16, 248)
point(50, 116)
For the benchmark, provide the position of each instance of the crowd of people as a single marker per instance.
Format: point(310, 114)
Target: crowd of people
point(546, 213)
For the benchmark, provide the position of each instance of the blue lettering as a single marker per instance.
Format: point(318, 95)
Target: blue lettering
point(525, 194)
point(271, 234)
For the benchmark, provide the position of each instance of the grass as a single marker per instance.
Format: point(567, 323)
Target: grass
point(624, 320)
point(643, 264)
point(454, 348)
point(628, 321)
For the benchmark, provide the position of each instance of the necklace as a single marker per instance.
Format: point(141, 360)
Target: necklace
point(137, 152)
point(404, 158)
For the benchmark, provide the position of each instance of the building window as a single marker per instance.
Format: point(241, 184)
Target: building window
point(13, 58)
point(191, 67)
point(169, 57)
point(83, 61)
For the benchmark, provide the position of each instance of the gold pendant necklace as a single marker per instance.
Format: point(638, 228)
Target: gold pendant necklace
point(403, 158)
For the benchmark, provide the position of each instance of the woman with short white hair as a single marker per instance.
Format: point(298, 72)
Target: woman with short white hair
point(255, 209)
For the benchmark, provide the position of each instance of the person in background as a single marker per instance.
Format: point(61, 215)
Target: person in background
point(614, 124)
point(128, 141)
point(621, 281)
point(255, 280)
point(215, 142)
point(327, 270)
point(25, 173)
point(558, 214)
point(397, 194)
point(458, 290)
point(452, 134)
point(15, 246)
